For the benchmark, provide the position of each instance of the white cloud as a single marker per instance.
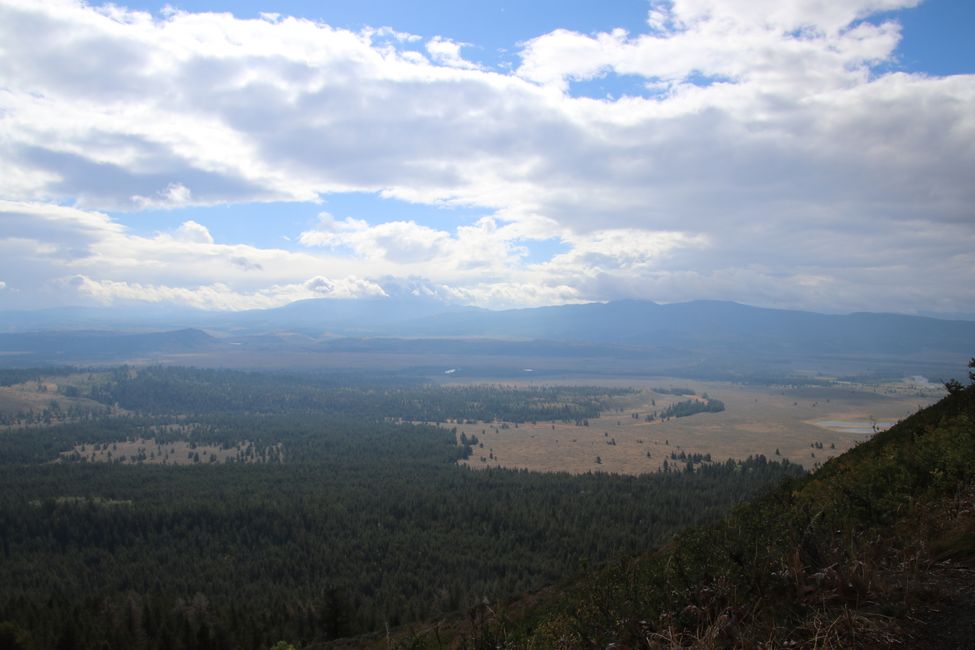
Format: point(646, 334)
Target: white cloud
point(446, 52)
point(799, 174)
point(219, 296)
point(510, 295)
point(389, 32)
point(790, 15)
point(622, 249)
point(348, 287)
point(173, 195)
point(799, 48)
point(65, 256)
point(49, 248)
point(191, 231)
point(482, 245)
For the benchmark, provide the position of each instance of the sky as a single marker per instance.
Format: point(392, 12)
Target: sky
point(799, 154)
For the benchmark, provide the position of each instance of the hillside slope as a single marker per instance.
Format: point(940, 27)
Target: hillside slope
point(873, 550)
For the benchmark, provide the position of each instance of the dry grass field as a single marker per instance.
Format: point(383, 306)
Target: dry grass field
point(180, 452)
point(806, 425)
point(49, 400)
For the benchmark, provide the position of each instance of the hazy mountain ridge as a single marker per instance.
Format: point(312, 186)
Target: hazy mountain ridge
point(97, 345)
point(720, 337)
point(649, 323)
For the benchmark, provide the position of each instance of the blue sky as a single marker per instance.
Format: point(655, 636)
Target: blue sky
point(937, 33)
point(781, 153)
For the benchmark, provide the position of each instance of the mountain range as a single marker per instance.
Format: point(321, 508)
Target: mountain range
point(699, 338)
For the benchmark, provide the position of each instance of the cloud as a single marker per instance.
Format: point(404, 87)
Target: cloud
point(173, 196)
point(774, 154)
point(789, 46)
point(348, 287)
point(510, 295)
point(244, 263)
point(219, 296)
point(63, 255)
point(191, 231)
point(446, 52)
point(622, 249)
point(482, 245)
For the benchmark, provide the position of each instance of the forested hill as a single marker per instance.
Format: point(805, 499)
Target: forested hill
point(874, 550)
point(165, 508)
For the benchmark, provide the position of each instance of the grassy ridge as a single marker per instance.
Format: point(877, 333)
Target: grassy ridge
point(849, 556)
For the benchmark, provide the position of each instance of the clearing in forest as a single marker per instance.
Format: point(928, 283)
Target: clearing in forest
point(804, 424)
point(180, 452)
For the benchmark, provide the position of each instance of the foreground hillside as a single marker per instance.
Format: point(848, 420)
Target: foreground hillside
point(871, 551)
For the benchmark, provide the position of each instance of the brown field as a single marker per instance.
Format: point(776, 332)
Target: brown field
point(181, 452)
point(44, 401)
point(807, 425)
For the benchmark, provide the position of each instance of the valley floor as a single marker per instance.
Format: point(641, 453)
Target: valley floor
point(806, 425)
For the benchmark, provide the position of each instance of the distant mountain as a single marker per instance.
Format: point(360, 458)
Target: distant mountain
point(74, 347)
point(314, 316)
point(722, 338)
point(713, 338)
point(711, 325)
point(362, 316)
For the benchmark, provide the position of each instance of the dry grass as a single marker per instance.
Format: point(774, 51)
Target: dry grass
point(37, 397)
point(757, 420)
point(181, 452)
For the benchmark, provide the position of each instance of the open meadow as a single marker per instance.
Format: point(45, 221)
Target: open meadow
point(804, 424)
point(49, 399)
point(177, 452)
